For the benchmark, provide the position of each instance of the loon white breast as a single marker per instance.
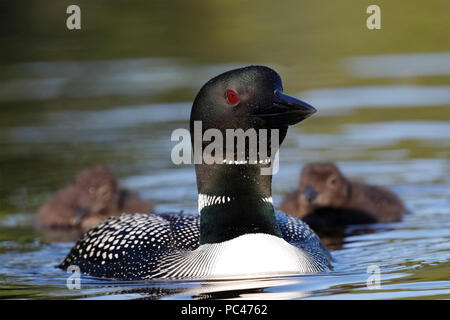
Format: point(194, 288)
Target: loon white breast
point(237, 233)
point(248, 255)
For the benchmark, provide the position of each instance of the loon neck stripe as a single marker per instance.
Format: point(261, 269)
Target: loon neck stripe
point(238, 162)
point(205, 200)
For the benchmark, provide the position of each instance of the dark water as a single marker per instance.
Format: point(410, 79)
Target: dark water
point(113, 93)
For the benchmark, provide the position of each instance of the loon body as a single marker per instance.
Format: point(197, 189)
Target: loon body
point(237, 233)
point(140, 246)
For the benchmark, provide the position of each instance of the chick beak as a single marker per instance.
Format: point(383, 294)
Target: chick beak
point(310, 193)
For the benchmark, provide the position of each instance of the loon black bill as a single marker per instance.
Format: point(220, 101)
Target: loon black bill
point(285, 110)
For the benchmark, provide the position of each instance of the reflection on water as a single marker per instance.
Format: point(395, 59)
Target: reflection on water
point(399, 65)
point(106, 96)
point(77, 126)
point(129, 77)
point(334, 100)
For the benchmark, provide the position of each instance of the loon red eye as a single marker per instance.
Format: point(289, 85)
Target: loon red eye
point(232, 97)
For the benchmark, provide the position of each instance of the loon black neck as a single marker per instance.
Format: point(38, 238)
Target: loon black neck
point(239, 201)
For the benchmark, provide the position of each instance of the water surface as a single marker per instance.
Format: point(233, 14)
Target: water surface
point(114, 93)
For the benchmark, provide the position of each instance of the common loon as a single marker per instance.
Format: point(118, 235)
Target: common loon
point(94, 197)
point(237, 233)
point(326, 198)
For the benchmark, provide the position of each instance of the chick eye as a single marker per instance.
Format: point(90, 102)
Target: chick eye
point(232, 97)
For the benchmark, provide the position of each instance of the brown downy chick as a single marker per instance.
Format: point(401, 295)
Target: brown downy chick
point(94, 197)
point(327, 198)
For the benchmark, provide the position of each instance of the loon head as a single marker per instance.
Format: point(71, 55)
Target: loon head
point(249, 102)
point(247, 98)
